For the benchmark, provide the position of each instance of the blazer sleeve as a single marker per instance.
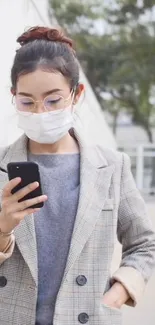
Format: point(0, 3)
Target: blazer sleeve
point(135, 233)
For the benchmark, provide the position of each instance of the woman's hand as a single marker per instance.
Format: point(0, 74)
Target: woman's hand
point(116, 296)
point(12, 212)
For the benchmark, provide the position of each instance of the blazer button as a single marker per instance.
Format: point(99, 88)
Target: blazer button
point(3, 281)
point(83, 318)
point(81, 280)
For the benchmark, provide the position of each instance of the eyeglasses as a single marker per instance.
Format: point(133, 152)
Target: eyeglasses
point(50, 103)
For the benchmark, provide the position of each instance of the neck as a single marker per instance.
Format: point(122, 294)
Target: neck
point(65, 145)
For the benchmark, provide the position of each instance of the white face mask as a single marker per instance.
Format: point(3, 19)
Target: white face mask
point(47, 127)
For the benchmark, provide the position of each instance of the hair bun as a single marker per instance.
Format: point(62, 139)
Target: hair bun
point(44, 33)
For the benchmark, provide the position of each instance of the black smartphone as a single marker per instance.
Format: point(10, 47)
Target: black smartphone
point(29, 173)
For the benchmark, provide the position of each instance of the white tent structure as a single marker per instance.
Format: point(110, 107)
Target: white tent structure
point(15, 17)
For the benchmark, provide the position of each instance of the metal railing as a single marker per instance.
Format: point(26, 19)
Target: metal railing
point(143, 166)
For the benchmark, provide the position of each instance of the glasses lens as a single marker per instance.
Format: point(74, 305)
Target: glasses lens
point(54, 102)
point(24, 104)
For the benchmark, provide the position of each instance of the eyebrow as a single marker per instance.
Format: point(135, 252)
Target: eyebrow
point(46, 93)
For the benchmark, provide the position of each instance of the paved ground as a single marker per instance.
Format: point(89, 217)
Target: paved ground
point(144, 313)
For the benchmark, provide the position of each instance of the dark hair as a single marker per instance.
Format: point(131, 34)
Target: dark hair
point(48, 49)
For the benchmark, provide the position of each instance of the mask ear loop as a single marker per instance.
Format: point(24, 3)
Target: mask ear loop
point(76, 112)
point(74, 90)
point(13, 92)
point(73, 100)
point(12, 101)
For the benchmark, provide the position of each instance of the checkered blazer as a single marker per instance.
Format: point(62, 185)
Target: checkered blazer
point(110, 206)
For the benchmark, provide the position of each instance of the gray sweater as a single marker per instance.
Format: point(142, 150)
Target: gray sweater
point(60, 179)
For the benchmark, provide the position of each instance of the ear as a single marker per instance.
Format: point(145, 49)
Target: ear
point(13, 92)
point(80, 89)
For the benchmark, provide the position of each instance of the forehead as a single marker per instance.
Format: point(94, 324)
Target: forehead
point(39, 81)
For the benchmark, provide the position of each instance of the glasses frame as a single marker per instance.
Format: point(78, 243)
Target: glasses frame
point(41, 101)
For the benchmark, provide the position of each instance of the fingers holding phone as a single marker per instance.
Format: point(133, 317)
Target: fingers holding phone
point(20, 198)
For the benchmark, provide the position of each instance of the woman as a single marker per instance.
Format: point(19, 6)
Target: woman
point(55, 262)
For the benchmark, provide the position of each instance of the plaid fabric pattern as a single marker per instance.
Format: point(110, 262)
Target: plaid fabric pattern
point(109, 206)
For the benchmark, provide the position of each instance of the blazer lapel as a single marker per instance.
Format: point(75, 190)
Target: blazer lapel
point(25, 232)
point(94, 186)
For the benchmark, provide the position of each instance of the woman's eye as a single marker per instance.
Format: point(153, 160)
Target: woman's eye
point(53, 101)
point(28, 103)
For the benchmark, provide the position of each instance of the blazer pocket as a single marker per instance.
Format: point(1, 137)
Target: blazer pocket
point(108, 205)
point(112, 309)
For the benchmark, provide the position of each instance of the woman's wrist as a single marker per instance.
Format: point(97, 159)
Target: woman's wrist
point(121, 293)
point(4, 230)
point(4, 243)
point(116, 296)
point(6, 234)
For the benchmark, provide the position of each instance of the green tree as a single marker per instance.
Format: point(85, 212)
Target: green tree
point(136, 71)
point(119, 58)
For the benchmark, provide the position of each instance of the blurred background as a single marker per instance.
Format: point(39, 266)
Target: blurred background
point(115, 44)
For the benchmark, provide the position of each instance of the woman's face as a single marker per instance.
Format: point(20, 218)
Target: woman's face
point(41, 90)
